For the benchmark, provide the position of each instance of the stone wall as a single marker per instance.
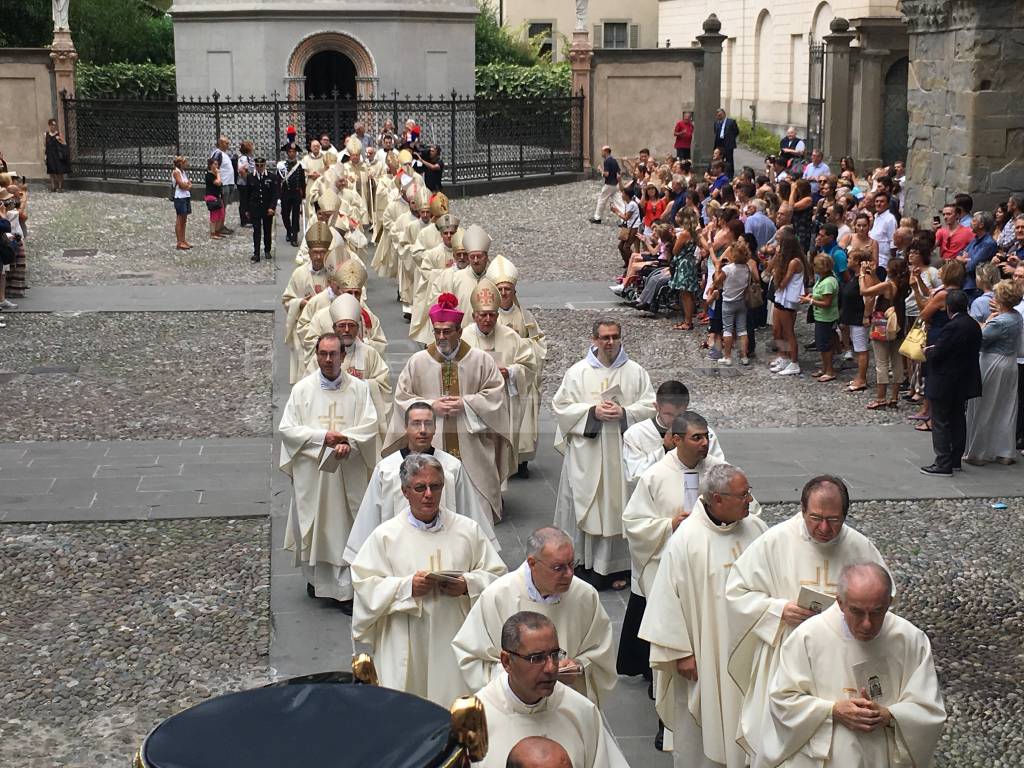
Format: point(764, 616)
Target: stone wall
point(965, 101)
point(26, 103)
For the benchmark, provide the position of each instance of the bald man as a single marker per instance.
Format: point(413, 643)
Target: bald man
point(538, 752)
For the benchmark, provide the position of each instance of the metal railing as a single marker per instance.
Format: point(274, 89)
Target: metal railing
point(480, 139)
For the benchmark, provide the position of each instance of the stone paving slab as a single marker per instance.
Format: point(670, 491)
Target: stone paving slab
point(150, 298)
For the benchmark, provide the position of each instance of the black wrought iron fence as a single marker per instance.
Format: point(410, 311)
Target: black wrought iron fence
point(479, 138)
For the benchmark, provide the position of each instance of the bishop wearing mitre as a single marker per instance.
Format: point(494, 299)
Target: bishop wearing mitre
point(358, 358)
point(307, 281)
point(467, 392)
point(416, 578)
point(432, 254)
point(359, 170)
point(599, 398)
point(512, 353)
point(805, 552)
point(315, 319)
point(477, 244)
point(328, 438)
point(685, 623)
point(505, 276)
point(419, 206)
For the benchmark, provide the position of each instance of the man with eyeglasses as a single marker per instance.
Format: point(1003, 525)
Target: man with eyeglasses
point(808, 550)
point(415, 579)
point(686, 624)
point(527, 699)
point(543, 584)
point(383, 498)
point(599, 398)
point(467, 392)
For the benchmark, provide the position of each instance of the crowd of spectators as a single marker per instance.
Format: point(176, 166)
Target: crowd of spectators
point(798, 241)
point(13, 233)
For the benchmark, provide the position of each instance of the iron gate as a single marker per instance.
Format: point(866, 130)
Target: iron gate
point(815, 97)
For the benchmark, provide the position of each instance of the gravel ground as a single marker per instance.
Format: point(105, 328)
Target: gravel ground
point(959, 566)
point(109, 628)
point(728, 397)
point(138, 376)
point(134, 240)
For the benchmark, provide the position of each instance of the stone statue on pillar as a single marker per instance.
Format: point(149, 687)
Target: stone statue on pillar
point(63, 56)
point(60, 15)
point(581, 15)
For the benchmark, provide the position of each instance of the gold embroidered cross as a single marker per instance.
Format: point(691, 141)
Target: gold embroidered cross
point(735, 551)
point(332, 418)
point(817, 581)
point(435, 561)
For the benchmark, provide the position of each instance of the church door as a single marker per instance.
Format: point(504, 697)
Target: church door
point(894, 113)
point(330, 95)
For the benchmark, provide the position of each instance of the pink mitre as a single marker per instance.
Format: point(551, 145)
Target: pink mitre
point(446, 310)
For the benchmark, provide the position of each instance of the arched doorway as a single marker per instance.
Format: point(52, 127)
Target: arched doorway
point(894, 113)
point(330, 73)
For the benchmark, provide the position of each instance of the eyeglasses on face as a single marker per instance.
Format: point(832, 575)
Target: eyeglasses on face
point(560, 568)
point(422, 487)
point(539, 658)
point(832, 522)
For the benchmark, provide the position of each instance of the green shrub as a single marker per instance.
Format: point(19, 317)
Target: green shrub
point(125, 81)
point(513, 81)
point(496, 45)
point(758, 138)
point(108, 31)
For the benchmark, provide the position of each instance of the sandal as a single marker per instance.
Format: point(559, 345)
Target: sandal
point(852, 388)
point(704, 345)
point(893, 404)
point(924, 426)
point(875, 405)
point(619, 584)
point(682, 327)
point(918, 417)
point(826, 378)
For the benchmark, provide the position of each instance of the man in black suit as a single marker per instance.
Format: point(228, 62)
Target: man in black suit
point(262, 205)
point(726, 135)
point(291, 186)
point(954, 377)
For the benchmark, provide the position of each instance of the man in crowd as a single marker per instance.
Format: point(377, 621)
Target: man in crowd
point(383, 498)
point(328, 433)
point(953, 237)
point(262, 193)
point(727, 133)
point(686, 623)
point(979, 251)
point(791, 147)
point(292, 186)
point(307, 281)
point(599, 398)
point(415, 579)
point(856, 685)
point(222, 154)
point(758, 224)
point(543, 584)
point(815, 170)
point(882, 230)
point(528, 700)
point(765, 584)
point(609, 185)
point(683, 134)
point(467, 392)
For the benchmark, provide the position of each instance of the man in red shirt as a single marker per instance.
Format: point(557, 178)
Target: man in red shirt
point(953, 238)
point(684, 136)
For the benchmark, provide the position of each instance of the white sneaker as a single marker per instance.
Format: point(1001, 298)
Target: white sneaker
point(616, 289)
point(725, 361)
point(744, 361)
point(8, 304)
point(848, 355)
point(793, 369)
point(779, 364)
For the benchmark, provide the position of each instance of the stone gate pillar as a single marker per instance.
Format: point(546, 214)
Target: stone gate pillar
point(708, 98)
point(867, 105)
point(63, 56)
point(965, 101)
point(580, 55)
point(838, 93)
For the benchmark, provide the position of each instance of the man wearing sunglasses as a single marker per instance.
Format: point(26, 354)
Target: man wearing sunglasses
point(527, 699)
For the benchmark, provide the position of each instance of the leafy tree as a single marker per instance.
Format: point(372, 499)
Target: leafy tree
point(107, 31)
point(496, 45)
point(26, 24)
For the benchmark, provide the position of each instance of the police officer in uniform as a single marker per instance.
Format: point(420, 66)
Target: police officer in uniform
point(291, 187)
point(262, 204)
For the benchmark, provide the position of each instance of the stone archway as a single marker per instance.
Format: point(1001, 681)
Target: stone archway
point(319, 42)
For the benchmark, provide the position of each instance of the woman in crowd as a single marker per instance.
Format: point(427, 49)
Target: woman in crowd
point(859, 239)
point(802, 202)
point(57, 157)
point(992, 418)
point(985, 277)
point(851, 317)
point(1014, 207)
point(246, 165)
point(787, 268)
point(214, 198)
point(655, 252)
point(924, 280)
point(629, 231)
point(182, 201)
point(685, 269)
point(824, 301)
point(888, 294)
point(933, 313)
point(734, 275)
point(652, 207)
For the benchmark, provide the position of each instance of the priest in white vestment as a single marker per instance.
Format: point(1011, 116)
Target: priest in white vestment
point(477, 243)
point(646, 442)
point(686, 624)
point(543, 584)
point(407, 236)
point(527, 699)
point(855, 686)
point(512, 353)
point(307, 281)
point(467, 392)
point(431, 262)
point(808, 550)
point(538, 752)
point(444, 281)
point(328, 436)
point(416, 578)
point(600, 397)
point(383, 498)
point(315, 319)
point(314, 164)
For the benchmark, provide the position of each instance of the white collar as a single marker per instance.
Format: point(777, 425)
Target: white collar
point(534, 593)
point(434, 526)
point(326, 383)
point(515, 700)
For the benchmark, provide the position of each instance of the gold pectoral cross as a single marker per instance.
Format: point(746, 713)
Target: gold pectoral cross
point(736, 550)
point(332, 418)
point(817, 581)
point(435, 561)
point(603, 388)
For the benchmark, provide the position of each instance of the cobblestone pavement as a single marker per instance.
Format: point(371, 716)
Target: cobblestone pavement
point(731, 397)
point(107, 629)
point(128, 240)
point(136, 375)
point(958, 566)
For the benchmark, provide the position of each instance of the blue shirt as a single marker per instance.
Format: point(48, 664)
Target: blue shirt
point(761, 227)
point(839, 260)
point(979, 250)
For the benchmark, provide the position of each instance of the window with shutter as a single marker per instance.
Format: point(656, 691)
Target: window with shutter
point(597, 36)
point(634, 35)
point(615, 34)
point(543, 32)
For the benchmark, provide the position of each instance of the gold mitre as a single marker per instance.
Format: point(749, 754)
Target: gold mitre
point(476, 239)
point(447, 223)
point(319, 235)
point(391, 161)
point(501, 270)
point(438, 205)
point(346, 307)
point(328, 200)
point(485, 297)
point(405, 157)
point(354, 146)
point(457, 244)
point(351, 275)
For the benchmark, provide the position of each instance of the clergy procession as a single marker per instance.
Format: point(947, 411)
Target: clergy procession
point(761, 646)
